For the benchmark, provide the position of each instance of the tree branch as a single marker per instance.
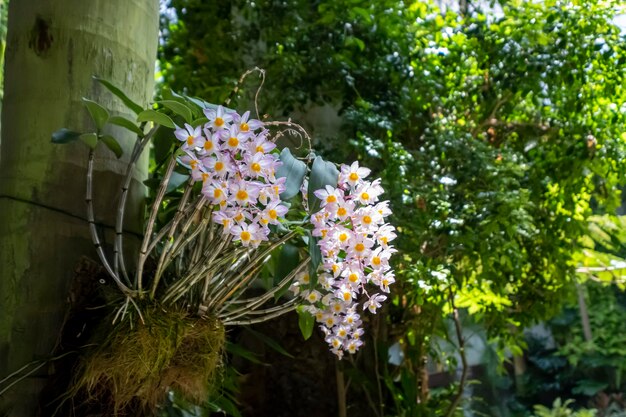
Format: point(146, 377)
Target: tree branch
point(459, 335)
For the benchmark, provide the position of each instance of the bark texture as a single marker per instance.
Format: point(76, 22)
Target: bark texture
point(53, 49)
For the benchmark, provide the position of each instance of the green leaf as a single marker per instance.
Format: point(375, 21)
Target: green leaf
point(90, 139)
point(112, 144)
point(286, 261)
point(306, 322)
point(156, 117)
point(163, 141)
point(316, 258)
point(242, 352)
point(178, 108)
point(125, 123)
point(323, 173)
point(294, 170)
point(199, 121)
point(270, 342)
point(121, 95)
point(65, 136)
point(98, 113)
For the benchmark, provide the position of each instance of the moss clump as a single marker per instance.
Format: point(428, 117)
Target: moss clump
point(137, 364)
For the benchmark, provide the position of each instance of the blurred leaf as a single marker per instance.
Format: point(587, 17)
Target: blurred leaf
point(121, 95)
point(323, 173)
point(65, 136)
point(91, 139)
point(112, 144)
point(292, 169)
point(306, 323)
point(156, 117)
point(125, 123)
point(98, 113)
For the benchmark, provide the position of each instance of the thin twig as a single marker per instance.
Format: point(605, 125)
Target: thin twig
point(153, 214)
point(92, 227)
point(118, 246)
point(459, 335)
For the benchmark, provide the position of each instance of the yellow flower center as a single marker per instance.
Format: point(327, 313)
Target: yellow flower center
point(347, 296)
point(359, 247)
point(367, 219)
point(341, 211)
point(337, 307)
point(225, 222)
point(245, 235)
point(219, 166)
point(238, 217)
point(193, 164)
point(353, 176)
point(217, 193)
point(272, 213)
point(189, 140)
point(331, 199)
point(256, 167)
point(343, 237)
point(335, 267)
point(385, 282)
point(242, 195)
point(376, 260)
point(219, 121)
point(353, 277)
point(365, 196)
point(208, 145)
point(264, 221)
point(259, 149)
point(306, 278)
point(335, 343)
point(232, 142)
point(330, 321)
point(342, 333)
point(384, 240)
point(205, 176)
point(324, 232)
point(244, 127)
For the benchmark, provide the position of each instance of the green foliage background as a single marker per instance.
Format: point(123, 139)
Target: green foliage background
point(496, 137)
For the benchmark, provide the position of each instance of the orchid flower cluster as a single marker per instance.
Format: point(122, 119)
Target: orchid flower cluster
point(354, 242)
point(231, 155)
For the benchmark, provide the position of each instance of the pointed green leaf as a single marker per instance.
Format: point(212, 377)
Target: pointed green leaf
point(98, 113)
point(316, 258)
point(294, 170)
point(242, 352)
point(323, 173)
point(199, 121)
point(163, 142)
point(306, 322)
point(270, 342)
point(112, 144)
point(178, 108)
point(90, 139)
point(128, 124)
point(121, 95)
point(65, 136)
point(156, 117)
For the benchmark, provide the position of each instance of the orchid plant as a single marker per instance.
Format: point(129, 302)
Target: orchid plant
point(243, 203)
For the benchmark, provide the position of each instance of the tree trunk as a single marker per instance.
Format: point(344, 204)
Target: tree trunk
point(53, 49)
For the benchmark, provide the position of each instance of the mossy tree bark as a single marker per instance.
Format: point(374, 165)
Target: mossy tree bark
point(53, 50)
